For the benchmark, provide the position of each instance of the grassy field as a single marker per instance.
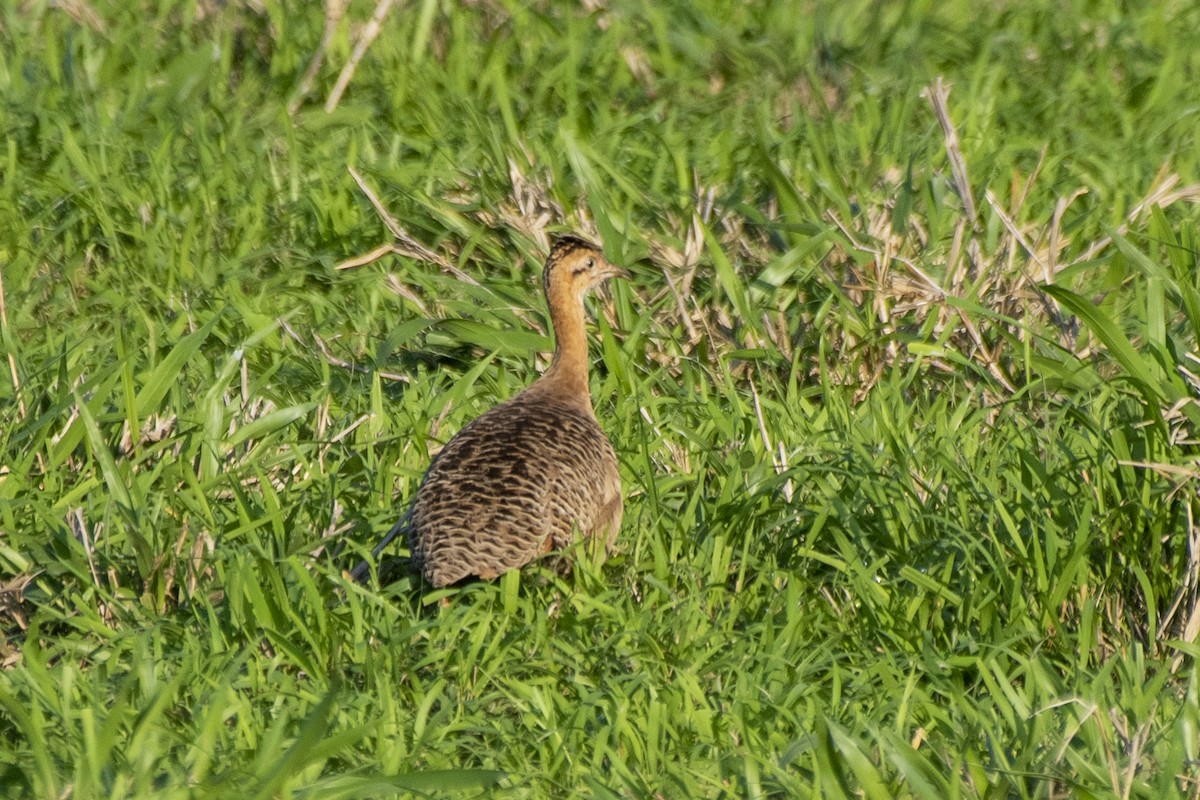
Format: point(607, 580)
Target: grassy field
point(904, 390)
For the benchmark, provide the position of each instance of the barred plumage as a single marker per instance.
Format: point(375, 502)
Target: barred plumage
point(532, 473)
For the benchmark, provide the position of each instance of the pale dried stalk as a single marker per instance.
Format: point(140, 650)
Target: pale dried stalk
point(1048, 304)
point(12, 361)
point(681, 307)
point(368, 258)
point(780, 462)
point(339, 362)
point(532, 209)
point(889, 255)
point(1162, 194)
point(1012, 229)
point(937, 94)
point(334, 11)
point(79, 527)
point(408, 294)
point(1054, 238)
point(1188, 593)
point(83, 13)
point(408, 244)
point(374, 26)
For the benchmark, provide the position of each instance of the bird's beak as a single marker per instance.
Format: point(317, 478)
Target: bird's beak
point(616, 272)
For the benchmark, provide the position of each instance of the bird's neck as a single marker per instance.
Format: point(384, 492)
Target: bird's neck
point(568, 373)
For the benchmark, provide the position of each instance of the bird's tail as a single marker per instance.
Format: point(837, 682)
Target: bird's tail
point(360, 572)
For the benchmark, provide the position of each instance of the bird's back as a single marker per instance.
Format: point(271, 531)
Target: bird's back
point(523, 479)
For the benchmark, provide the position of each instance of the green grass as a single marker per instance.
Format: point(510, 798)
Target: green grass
point(910, 495)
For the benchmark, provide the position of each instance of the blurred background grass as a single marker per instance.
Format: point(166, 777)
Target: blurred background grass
point(906, 410)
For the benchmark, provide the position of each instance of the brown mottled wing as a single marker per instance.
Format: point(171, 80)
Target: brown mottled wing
point(522, 474)
point(608, 523)
point(587, 497)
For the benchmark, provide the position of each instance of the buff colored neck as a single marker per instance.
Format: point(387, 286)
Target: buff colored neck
point(568, 373)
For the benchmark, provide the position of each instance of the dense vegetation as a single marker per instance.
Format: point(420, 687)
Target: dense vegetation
point(904, 389)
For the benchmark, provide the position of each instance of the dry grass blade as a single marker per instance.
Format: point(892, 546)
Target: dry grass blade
point(341, 362)
point(334, 11)
point(937, 94)
point(408, 294)
point(408, 244)
point(1182, 619)
point(680, 266)
point(369, 257)
point(1051, 309)
point(1055, 241)
point(778, 457)
point(82, 12)
point(12, 360)
point(372, 29)
point(5, 336)
point(12, 600)
point(531, 208)
point(1162, 194)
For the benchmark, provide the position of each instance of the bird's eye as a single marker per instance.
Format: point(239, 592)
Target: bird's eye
point(591, 262)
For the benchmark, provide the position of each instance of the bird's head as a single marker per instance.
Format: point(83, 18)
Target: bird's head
point(576, 265)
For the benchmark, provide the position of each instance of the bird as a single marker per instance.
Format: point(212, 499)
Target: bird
point(533, 474)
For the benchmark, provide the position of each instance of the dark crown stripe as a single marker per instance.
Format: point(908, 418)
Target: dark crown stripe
point(568, 243)
point(561, 247)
